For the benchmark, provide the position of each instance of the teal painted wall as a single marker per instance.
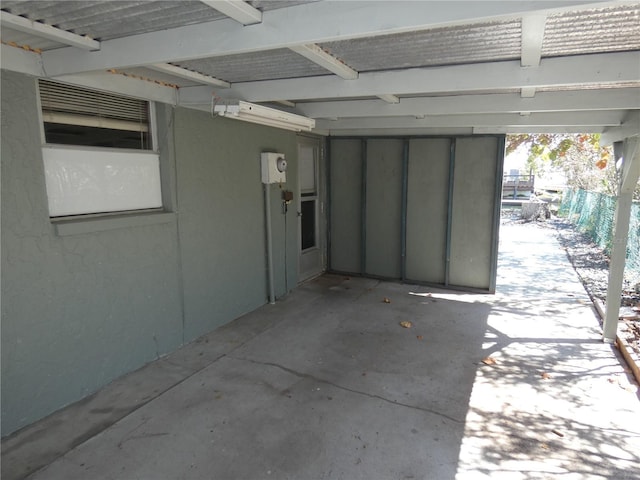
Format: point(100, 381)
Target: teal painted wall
point(78, 311)
point(221, 216)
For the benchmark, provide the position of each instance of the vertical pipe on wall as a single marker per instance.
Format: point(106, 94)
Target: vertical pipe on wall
point(497, 199)
point(267, 212)
point(452, 165)
point(363, 206)
point(327, 163)
point(403, 210)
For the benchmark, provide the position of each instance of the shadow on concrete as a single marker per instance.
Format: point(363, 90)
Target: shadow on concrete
point(557, 402)
point(324, 384)
point(327, 384)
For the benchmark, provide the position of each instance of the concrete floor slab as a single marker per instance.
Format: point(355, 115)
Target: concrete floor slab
point(326, 384)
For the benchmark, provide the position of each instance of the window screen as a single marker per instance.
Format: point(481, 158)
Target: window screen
point(80, 116)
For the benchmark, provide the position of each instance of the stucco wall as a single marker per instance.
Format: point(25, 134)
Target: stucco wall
point(221, 206)
point(80, 310)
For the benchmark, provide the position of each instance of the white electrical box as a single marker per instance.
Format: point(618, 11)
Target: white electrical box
point(274, 167)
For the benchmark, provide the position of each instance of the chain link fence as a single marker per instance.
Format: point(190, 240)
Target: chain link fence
point(593, 213)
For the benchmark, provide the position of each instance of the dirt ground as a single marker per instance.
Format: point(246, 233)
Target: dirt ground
point(592, 266)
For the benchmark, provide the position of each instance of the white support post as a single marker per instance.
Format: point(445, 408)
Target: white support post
point(630, 175)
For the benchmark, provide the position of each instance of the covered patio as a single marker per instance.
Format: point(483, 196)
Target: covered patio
point(326, 383)
point(205, 204)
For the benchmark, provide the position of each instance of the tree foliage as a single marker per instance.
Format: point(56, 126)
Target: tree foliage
point(585, 163)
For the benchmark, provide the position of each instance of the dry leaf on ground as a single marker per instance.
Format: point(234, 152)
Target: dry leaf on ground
point(545, 375)
point(419, 337)
point(405, 324)
point(489, 361)
point(386, 300)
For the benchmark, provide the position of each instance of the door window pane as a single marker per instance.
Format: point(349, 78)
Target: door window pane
point(308, 224)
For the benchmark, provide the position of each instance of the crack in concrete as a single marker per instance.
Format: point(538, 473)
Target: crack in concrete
point(308, 376)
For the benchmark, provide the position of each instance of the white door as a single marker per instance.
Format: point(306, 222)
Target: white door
point(311, 212)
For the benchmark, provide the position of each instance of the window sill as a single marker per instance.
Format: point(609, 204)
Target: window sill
point(80, 226)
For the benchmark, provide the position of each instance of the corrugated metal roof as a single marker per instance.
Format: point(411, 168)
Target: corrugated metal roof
point(104, 20)
point(596, 30)
point(590, 86)
point(269, 65)
point(593, 31)
point(111, 19)
point(441, 46)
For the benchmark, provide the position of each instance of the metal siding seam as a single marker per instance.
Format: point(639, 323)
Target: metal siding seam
point(403, 212)
point(452, 164)
point(363, 208)
point(327, 166)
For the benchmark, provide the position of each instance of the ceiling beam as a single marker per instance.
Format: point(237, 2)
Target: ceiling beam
point(288, 27)
point(556, 119)
point(189, 75)
point(397, 132)
point(553, 72)
point(124, 85)
point(238, 10)
point(387, 97)
point(318, 56)
point(456, 131)
point(547, 129)
point(630, 128)
point(16, 59)
point(286, 103)
point(531, 41)
point(43, 30)
point(579, 100)
point(631, 165)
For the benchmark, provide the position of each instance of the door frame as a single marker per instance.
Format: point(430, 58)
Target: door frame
point(320, 250)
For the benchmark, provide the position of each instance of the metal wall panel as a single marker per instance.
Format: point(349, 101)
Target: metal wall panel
point(345, 205)
point(427, 197)
point(473, 211)
point(383, 209)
